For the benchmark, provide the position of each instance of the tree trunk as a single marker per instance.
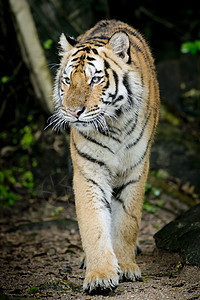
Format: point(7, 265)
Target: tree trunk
point(33, 54)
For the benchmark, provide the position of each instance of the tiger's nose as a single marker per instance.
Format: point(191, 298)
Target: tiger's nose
point(76, 113)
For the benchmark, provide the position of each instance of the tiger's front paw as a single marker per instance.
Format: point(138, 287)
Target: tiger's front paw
point(130, 272)
point(101, 281)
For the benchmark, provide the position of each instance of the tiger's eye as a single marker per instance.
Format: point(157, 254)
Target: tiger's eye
point(96, 79)
point(66, 81)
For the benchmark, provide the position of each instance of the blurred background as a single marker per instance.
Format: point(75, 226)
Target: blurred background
point(35, 162)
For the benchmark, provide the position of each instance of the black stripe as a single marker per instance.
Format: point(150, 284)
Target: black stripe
point(138, 49)
point(95, 141)
point(136, 34)
point(79, 50)
point(115, 76)
point(104, 200)
point(130, 101)
point(112, 60)
point(95, 51)
point(118, 112)
point(91, 64)
point(109, 135)
point(141, 133)
point(84, 48)
point(98, 71)
point(126, 84)
point(91, 159)
point(90, 58)
point(126, 210)
point(116, 83)
point(118, 99)
point(145, 152)
point(99, 38)
point(129, 56)
point(118, 190)
point(139, 37)
point(132, 125)
point(106, 66)
point(141, 157)
point(115, 130)
point(105, 101)
point(75, 59)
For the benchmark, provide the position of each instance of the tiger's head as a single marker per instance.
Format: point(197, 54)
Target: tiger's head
point(92, 83)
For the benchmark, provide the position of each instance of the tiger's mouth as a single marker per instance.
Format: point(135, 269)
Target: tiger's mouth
point(97, 122)
point(62, 119)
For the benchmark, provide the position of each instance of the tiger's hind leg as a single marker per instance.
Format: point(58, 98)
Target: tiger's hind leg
point(126, 217)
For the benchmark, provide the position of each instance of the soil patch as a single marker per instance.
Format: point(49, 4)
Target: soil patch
point(40, 251)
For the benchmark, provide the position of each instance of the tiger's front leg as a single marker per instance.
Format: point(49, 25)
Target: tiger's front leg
point(94, 218)
point(126, 217)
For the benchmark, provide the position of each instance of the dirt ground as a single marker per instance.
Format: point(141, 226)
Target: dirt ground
point(40, 251)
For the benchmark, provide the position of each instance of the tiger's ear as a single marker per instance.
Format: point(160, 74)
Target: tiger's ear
point(119, 43)
point(67, 43)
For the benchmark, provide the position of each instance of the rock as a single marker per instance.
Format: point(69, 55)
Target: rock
point(182, 235)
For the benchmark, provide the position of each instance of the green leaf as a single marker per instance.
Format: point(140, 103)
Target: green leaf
point(147, 186)
point(7, 198)
point(57, 211)
point(47, 44)
point(190, 47)
point(33, 290)
point(2, 176)
point(155, 192)
point(27, 139)
point(27, 179)
point(160, 203)
point(4, 79)
point(149, 208)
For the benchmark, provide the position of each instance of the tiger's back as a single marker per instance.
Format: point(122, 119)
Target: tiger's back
point(106, 89)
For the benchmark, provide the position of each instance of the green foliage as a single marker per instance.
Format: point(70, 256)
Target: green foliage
point(160, 174)
point(4, 79)
point(191, 47)
point(33, 290)
point(7, 198)
point(48, 44)
point(149, 190)
point(19, 178)
point(24, 136)
point(27, 180)
point(149, 207)
point(27, 138)
point(14, 178)
point(168, 116)
point(57, 211)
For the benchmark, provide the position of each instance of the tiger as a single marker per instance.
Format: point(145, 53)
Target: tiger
point(107, 92)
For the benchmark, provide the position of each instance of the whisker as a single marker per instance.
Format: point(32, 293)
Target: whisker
point(53, 65)
point(47, 126)
point(102, 123)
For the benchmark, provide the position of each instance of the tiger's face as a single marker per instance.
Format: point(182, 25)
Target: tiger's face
point(90, 84)
point(81, 88)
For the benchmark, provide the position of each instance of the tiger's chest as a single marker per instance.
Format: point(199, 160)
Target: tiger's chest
point(118, 151)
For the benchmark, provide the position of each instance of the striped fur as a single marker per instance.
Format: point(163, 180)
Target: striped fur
point(106, 90)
